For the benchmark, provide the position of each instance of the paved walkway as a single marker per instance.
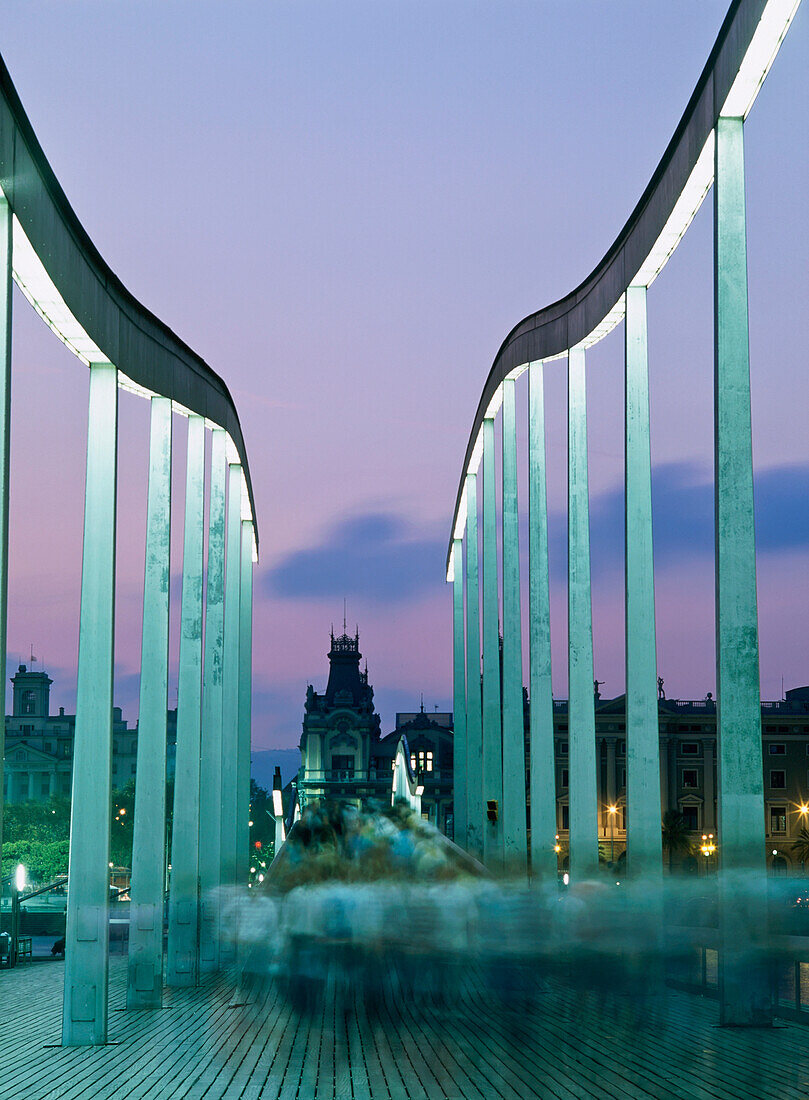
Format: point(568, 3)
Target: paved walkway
point(564, 1046)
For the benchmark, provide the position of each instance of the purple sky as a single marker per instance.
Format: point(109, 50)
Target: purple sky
point(344, 207)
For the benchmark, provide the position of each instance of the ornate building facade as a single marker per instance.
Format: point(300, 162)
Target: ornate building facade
point(345, 758)
point(39, 745)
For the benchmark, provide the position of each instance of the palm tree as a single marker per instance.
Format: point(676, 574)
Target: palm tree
point(801, 846)
point(676, 840)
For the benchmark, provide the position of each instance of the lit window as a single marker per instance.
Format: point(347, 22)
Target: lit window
point(429, 761)
point(778, 819)
point(413, 761)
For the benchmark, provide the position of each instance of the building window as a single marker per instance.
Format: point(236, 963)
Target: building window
point(778, 780)
point(422, 761)
point(778, 819)
point(563, 748)
point(690, 778)
point(777, 749)
point(622, 748)
point(28, 702)
point(26, 729)
point(565, 817)
point(564, 780)
point(689, 748)
point(691, 817)
point(622, 778)
point(344, 764)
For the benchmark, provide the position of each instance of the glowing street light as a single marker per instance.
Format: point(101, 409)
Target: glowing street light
point(612, 811)
point(708, 848)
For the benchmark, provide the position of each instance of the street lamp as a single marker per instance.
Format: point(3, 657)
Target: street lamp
point(708, 847)
point(612, 811)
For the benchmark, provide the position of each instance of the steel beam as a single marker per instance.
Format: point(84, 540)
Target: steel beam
point(459, 794)
point(492, 713)
point(245, 703)
point(476, 810)
point(211, 762)
point(145, 968)
point(230, 693)
point(745, 996)
point(182, 967)
point(5, 440)
point(544, 860)
point(583, 792)
point(515, 827)
point(643, 829)
point(84, 1016)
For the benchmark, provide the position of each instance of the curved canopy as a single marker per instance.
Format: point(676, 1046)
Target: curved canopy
point(740, 59)
point(62, 273)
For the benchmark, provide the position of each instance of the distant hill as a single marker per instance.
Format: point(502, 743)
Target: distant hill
point(264, 762)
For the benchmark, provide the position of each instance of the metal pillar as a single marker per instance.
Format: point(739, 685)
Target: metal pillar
point(182, 962)
point(459, 794)
point(211, 763)
point(542, 767)
point(245, 702)
point(515, 827)
point(643, 829)
point(474, 736)
point(5, 439)
point(744, 993)
point(581, 701)
point(492, 714)
point(230, 692)
point(145, 973)
point(84, 1016)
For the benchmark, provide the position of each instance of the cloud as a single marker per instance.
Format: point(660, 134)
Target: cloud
point(683, 516)
point(371, 556)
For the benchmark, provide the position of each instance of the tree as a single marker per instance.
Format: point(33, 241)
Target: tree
point(801, 846)
point(262, 830)
point(676, 840)
point(43, 860)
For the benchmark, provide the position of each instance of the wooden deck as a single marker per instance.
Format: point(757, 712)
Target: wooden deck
point(565, 1046)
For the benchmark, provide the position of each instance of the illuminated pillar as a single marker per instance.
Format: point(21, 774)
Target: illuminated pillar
point(644, 853)
point(5, 438)
point(492, 727)
point(542, 766)
point(581, 704)
point(515, 829)
point(84, 1017)
point(476, 812)
point(744, 993)
point(245, 701)
point(211, 761)
point(459, 794)
point(182, 962)
point(230, 692)
point(145, 973)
